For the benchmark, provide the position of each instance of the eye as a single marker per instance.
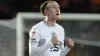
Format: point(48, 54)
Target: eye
point(53, 6)
point(59, 7)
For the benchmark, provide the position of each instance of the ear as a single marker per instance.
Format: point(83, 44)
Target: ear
point(45, 12)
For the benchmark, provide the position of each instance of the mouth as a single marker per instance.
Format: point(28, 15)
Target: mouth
point(57, 14)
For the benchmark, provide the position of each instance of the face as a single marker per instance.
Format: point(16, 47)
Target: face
point(53, 11)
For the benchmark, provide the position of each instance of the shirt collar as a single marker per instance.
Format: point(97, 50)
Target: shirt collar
point(47, 24)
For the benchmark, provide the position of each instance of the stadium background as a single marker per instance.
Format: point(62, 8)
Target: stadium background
point(88, 30)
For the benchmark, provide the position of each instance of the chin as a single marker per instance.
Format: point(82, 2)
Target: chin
point(58, 18)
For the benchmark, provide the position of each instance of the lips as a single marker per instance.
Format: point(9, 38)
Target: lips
point(57, 13)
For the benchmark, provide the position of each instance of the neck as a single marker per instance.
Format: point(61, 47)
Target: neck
point(50, 22)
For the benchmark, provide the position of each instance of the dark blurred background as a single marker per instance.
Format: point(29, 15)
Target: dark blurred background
point(81, 29)
point(9, 8)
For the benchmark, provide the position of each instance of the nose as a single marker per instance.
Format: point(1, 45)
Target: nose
point(57, 9)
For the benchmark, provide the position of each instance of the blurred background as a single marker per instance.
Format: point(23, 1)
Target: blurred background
point(9, 8)
point(81, 29)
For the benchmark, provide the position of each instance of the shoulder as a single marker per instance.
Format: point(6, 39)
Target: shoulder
point(37, 27)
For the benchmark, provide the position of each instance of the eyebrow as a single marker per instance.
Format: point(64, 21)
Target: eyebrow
point(55, 5)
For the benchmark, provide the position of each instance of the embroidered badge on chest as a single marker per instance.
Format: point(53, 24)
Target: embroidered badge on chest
point(53, 33)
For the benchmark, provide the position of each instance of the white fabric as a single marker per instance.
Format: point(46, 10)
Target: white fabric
point(64, 51)
point(40, 40)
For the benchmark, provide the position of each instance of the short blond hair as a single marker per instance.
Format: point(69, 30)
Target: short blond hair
point(44, 6)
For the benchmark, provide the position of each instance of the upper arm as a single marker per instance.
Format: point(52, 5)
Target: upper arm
point(34, 35)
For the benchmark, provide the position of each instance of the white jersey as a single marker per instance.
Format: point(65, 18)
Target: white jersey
point(40, 40)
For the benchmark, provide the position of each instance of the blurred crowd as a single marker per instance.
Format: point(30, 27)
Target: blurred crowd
point(9, 8)
point(89, 30)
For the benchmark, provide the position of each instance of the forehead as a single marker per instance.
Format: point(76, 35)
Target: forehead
point(52, 4)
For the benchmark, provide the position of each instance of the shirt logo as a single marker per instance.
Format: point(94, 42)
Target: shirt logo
point(33, 40)
point(33, 33)
point(53, 33)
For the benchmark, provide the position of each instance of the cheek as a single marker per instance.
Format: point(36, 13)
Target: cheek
point(52, 12)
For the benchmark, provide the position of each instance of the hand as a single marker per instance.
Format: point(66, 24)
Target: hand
point(54, 40)
point(69, 43)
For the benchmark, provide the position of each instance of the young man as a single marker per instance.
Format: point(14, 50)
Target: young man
point(47, 37)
